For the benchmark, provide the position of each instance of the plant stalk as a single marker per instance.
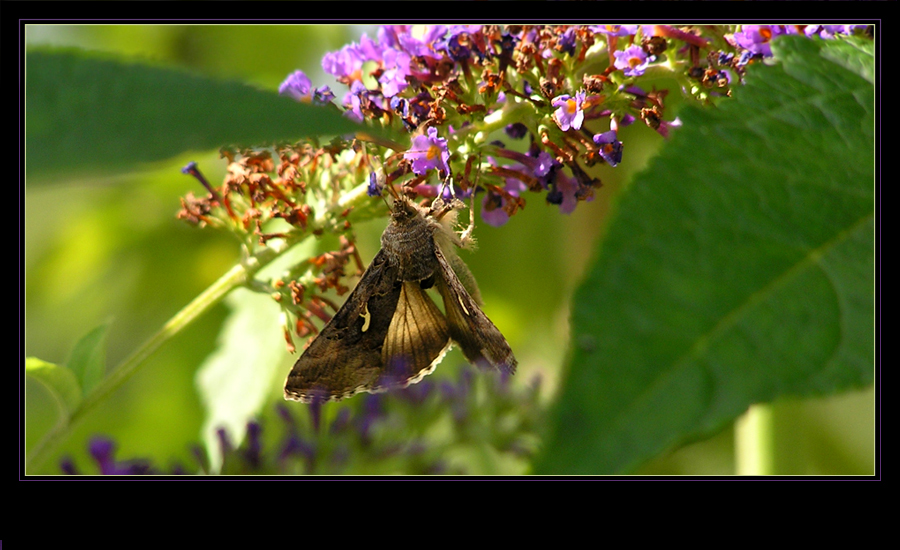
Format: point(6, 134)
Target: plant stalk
point(755, 442)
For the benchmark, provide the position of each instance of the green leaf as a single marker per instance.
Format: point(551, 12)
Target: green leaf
point(738, 268)
point(60, 381)
point(86, 112)
point(236, 381)
point(88, 359)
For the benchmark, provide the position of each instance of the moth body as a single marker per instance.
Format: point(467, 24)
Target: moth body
point(389, 333)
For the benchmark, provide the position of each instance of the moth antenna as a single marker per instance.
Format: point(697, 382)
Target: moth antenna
point(393, 191)
point(377, 173)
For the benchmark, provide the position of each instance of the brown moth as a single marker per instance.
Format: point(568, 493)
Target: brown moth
point(390, 333)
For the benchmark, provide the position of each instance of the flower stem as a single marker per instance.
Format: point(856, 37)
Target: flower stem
point(755, 442)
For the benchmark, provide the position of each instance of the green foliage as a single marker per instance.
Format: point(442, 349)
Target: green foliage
point(87, 113)
point(236, 381)
point(81, 374)
point(88, 360)
point(738, 268)
point(59, 380)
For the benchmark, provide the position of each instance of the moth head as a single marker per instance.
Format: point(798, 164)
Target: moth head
point(403, 210)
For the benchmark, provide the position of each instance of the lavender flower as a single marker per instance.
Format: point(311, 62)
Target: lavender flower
point(375, 187)
point(563, 192)
point(497, 204)
point(569, 112)
point(757, 38)
point(354, 99)
point(386, 433)
point(633, 61)
point(615, 30)
point(396, 69)
point(429, 152)
point(296, 85)
point(610, 147)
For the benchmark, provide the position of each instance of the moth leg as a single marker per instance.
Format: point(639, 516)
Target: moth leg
point(445, 184)
point(465, 237)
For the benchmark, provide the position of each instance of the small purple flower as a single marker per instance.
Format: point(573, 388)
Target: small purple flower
point(569, 112)
point(315, 410)
point(340, 422)
point(296, 85)
point(610, 147)
point(429, 152)
point(396, 69)
point(615, 30)
point(368, 49)
point(563, 192)
point(373, 410)
point(399, 105)
point(322, 95)
point(346, 64)
point(745, 57)
point(375, 187)
point(67, 465)
point(516, 130)
point(633, 61)
point(459, 44)
point(494, 205)
point(567, 41)
point(756, 38)
point(665, 126)
point(252, 454)
point(422, 44)
point(353, 101)
point(103, 451)
point(830, 31)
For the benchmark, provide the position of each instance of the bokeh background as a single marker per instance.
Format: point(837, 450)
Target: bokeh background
point(111, 250)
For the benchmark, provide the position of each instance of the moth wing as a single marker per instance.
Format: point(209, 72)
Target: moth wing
point(480, 340)
point(346, 356)
point(417, 338)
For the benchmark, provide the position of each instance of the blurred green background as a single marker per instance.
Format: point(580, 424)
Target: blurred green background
point(111, 250)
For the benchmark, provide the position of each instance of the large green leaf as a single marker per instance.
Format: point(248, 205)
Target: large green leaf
point(739, 267)
point(236, 381)
point(87, 112)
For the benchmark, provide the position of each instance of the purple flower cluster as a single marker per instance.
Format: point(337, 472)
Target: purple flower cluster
point(756, 39)
point(442, 83)
point(380, 433)
point(102, 450)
